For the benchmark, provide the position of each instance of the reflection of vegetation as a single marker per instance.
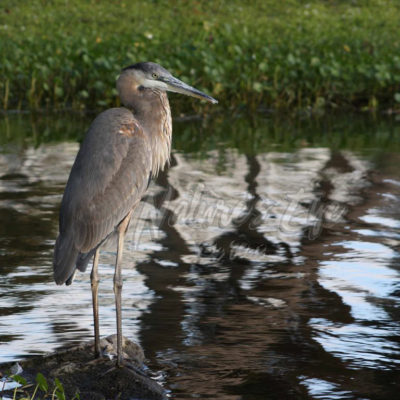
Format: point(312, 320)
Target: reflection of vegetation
point(291, 53)
point(250, 135)
point(259, 135)
point(34, 130)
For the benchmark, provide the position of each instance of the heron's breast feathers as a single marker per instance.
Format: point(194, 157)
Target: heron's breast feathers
point(161, 135)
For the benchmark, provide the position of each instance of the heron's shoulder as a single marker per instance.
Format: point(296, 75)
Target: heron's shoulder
point(117, 115)
point(118, 120)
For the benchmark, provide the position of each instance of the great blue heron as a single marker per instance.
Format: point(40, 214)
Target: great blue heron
point(123, 148)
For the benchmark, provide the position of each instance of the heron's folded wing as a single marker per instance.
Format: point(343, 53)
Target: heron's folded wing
point(108, 178)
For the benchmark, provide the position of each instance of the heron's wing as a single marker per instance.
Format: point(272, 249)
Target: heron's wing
point(107, 180)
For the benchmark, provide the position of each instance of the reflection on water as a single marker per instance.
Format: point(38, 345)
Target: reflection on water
point(267, 272)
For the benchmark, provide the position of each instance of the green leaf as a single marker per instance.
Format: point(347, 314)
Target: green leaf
point(237, 49)
point(59, 385)
point(397, 97)
point(84, 94)
point(263, 66)
point(315, 61)
point(257, 86)
point(60, 395)
point(291, 59)
point(59, 390)
point(99, 85)
point(19, 379)
point(42, 382)
point(58, 91)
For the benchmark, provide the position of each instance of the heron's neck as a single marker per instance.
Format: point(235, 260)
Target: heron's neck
point(151, 108)
point(158, 123)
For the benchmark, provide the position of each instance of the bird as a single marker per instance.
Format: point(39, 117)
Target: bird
point(123, 149)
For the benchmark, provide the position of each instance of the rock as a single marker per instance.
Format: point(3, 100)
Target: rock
point(96, 379)
point(91, 396)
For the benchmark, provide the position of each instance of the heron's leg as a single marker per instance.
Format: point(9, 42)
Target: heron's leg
point(123, 226)
point(94, 280)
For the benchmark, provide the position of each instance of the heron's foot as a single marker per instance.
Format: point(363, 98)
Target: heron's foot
point(132, 356)
point(115, 367)
point(120, 361)
point(125, 364)
point(131, 351)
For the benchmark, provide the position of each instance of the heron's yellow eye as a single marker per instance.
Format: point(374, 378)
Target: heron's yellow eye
point(154, 75)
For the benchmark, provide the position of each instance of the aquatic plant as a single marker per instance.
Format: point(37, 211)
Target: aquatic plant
point(41, 389)
point(280, 54)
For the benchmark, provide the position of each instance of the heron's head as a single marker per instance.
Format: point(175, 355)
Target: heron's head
point(148, 75)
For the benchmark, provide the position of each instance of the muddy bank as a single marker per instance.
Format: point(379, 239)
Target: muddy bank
point(91, 378)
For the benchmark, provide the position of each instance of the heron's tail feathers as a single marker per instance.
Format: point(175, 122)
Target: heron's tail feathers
point(65, 259)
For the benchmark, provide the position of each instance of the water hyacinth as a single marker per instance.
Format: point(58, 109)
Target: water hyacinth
point(313, 55)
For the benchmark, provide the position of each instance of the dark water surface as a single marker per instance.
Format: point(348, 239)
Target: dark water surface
point(264, 264)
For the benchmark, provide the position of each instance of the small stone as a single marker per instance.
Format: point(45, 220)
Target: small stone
point(16, 369)
point(67, 368)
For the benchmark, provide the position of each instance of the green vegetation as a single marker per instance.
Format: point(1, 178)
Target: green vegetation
point(39, 390)
point(293, 53)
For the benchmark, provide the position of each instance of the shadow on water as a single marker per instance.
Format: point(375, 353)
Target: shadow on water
point(263, 264)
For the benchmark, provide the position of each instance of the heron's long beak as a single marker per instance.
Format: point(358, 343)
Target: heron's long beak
point(177, 86)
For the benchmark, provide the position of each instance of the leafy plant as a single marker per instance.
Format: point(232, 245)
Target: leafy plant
point(21, 392)
point(282, 54)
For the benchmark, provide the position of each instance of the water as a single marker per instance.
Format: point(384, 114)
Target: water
point(264, 264)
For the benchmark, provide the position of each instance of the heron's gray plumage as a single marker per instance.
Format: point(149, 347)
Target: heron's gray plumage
point(123, 148)
point(107, 180)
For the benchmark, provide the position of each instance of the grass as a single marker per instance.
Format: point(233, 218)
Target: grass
point(282, 54)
